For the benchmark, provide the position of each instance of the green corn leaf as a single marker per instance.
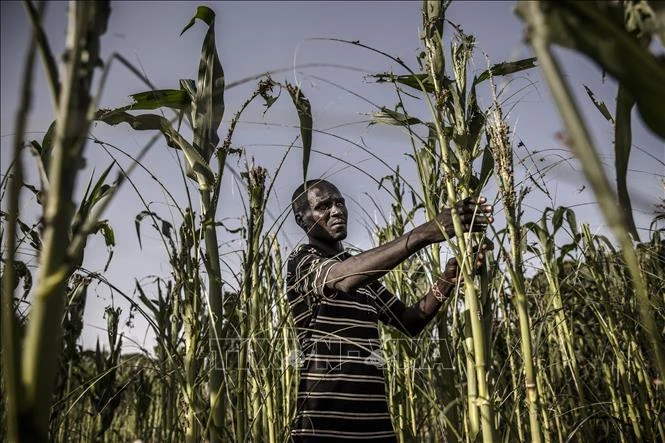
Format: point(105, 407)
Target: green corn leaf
point(604, 39)
point(137, 224)
point(177, 99)
point(107, 232)
point(600, 105)
point(165, 229)
point(565, 250)
point(44, 152)
point(209, 100)
point(146, 301)
point(571, 218)
point(84, 206)
point(557, 217)
point(202, 13)
point(197, 168)
point(389, 117)
point(100, 189)
point(506, 68)
point(47, 142)
point(91, 196)
point(168, 98)
point(412, 80)
point(305, 115)
point(42, 172)
point(536, 229)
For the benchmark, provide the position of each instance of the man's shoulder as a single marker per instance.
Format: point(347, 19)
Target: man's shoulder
point(305, 250)
point(301, 250)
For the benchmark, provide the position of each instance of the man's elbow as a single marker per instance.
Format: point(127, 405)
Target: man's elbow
point(413, 331)
point(341, 283)
point(342, 286)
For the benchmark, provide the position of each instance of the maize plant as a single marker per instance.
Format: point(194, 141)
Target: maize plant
point(558, 338)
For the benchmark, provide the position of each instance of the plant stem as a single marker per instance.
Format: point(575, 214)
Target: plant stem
point(87, 21)
point(11, 354)
point(216, 376)
point(583, 148)
point(503, 156)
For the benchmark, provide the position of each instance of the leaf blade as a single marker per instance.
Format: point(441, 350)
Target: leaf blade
point(304, 109)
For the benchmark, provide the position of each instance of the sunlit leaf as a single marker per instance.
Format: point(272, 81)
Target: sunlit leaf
point(169, 98)
point(209, 100)
point(202, 13)
point(389, 117)
point(197, 167)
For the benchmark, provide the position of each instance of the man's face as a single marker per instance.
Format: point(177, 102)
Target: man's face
point(327, 214)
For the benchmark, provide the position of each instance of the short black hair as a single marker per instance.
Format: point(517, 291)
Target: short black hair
point(299, 202)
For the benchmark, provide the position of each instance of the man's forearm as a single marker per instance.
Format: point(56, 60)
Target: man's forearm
point(414, 318)
point(371, 265)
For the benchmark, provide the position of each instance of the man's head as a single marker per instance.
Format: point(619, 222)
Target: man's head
point(320, 210)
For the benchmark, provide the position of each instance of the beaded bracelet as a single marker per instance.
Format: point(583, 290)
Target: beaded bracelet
point(436, 292)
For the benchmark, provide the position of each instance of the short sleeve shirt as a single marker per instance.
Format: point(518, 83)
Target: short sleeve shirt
point(341, 393)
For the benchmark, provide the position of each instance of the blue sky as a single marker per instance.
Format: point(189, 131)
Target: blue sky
point(256, 37)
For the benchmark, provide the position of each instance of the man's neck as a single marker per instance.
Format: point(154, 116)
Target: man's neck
point(328, 248)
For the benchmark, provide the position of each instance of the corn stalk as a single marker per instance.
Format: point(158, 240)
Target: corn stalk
point(538, 17)
point(497, 134)
point(433, 12)
point(11, 364)
point(87, 22)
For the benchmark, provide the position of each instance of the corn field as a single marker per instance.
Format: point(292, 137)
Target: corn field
point(559, 338)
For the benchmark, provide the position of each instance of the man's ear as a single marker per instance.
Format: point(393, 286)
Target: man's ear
point(299, 219)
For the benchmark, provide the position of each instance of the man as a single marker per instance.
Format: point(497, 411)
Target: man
point(336, 303)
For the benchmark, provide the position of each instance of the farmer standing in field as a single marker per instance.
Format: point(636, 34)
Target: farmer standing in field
point(336, 302)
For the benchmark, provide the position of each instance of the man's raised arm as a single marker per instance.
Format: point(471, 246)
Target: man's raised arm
point(371, 265)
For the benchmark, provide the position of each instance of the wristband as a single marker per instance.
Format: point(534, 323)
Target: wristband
point(436, 292)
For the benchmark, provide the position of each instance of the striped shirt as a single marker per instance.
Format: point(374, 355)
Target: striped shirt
point(341, 393)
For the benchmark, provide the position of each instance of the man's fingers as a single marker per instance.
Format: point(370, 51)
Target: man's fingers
point(475, 209)
point(471, 202)
point(476, 218)
point(480, 250)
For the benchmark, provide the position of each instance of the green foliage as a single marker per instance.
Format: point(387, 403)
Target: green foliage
point(556, 311)
point(597, 30)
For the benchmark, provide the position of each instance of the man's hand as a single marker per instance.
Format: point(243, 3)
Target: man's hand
point(452, 275)
point(474, 214)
